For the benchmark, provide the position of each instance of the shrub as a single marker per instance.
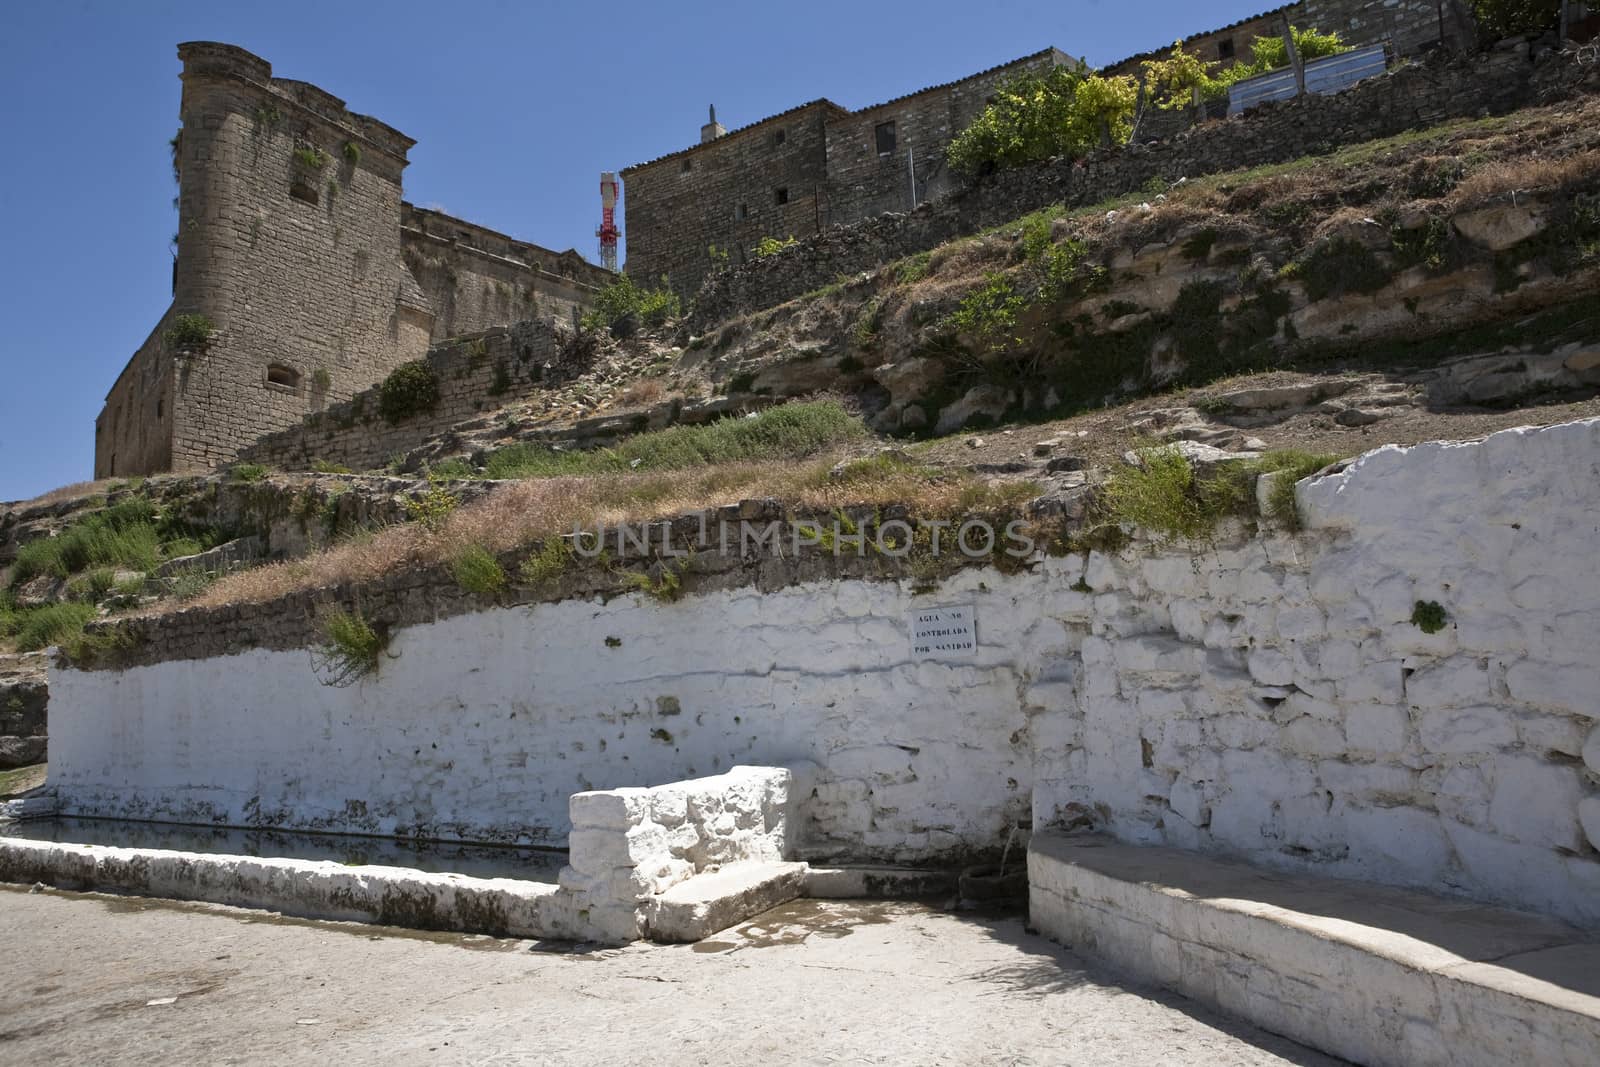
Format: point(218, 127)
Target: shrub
point(433, 508)
point(1429, 616)
point(548, 563)
point(477, 571)
point(1163, 495)
point(1342, 265)
point(310, 157)
point(1498, 19)
point(190, 583)
point(51, 624)
point(771, 245)
point(623, 303)
point(1295, 465)
point(247, 472)
point(323, 466)
point(1176, 77)
point(189, 331)
point(353, 648)
point(1035, 116)
point(410, 389)
point(123, 535)
point(352, 153)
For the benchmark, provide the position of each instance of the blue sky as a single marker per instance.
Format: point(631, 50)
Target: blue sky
point(516, 108)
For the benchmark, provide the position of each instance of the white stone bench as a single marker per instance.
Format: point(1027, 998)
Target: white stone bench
point(1375, 974)
point(716, 900)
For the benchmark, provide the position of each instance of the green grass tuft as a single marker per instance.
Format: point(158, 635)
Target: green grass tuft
point(477, 571)
point(1429, 616)
point(353, 650)
point(51, 624)
point(792, 431)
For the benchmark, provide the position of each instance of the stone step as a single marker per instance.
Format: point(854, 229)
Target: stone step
point(702, 905)
point(1375, 974)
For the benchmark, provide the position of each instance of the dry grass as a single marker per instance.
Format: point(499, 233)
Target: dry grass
point(75, 491)
point(520, 514)
point(1508, 176)
point(643, 391)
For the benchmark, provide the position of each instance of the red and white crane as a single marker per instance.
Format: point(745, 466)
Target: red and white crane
point(608, 232)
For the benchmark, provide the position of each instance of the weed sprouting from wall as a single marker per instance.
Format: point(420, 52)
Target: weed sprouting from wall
point(354, 648)
point(410, 389)
point(352, 153)
point(546, 565)
point(310, 157)
point(246, 473)
point(433, 508)
point(189, 331)
point(477, 571)
point(1429, 616)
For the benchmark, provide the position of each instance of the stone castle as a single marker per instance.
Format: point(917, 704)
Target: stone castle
point(316, 278)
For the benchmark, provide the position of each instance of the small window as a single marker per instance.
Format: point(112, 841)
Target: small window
point(283, 377)
point(782, 196)
point(744, 211)
point(885, 137)
point(1225, 49)
point(780, 137)
point(159, 405)
point(687, 165)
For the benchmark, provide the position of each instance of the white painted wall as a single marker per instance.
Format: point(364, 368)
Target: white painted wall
point(1267, 696)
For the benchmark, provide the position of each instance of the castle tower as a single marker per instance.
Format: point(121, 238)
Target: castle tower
point(288, 254)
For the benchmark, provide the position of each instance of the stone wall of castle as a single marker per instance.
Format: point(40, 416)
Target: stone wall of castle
point(133, 432)
point(1416, 96)
point(288, 243)
point(294, 243)
point(475, 278)
point(473, 373)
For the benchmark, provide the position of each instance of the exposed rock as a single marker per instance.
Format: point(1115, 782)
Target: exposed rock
point(1061, 464)
point(990, 401)
point(1501, 226)
point(239, 552)
point(1201, 457)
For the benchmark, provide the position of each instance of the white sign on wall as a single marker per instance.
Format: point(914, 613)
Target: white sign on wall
point(944, 633)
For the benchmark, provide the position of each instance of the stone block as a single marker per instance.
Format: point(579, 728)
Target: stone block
point(1535, 802)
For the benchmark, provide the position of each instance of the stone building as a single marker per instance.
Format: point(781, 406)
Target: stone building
point(315, 277)
point(796, 173)
point(821, 164)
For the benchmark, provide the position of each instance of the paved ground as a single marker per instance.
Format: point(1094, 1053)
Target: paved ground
point(88, 978)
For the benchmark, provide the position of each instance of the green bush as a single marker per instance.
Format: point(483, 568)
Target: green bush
point(247, 472)
point(189, 331)
point(310, 157)
point(353, 648)
point(791, 431)
point(1499, 19)
point(771, 245)
point(352, 153)
point(548, 563)
point(1062, 112)
point(122, 535)
point(51, 624)
point(622, 304)
point(433, 507)
point(1175, 77)
point(477, 571)
point(410, 389)
point(1296, 465)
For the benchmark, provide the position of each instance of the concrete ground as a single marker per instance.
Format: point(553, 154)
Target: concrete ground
point(90, 978)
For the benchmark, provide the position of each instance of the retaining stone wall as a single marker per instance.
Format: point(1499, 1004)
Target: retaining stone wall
point(473, 374)
point(1262, 694)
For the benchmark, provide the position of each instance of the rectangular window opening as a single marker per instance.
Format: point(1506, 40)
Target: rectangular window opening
point(1225, 49)
point(885, 138)
point(780, 137)
point(782, 196)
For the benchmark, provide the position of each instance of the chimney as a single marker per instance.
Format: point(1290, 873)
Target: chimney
point(713, 129)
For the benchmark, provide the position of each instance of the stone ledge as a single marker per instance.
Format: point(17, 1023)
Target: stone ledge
point(879, 883)
point(1371, 973)
point(706, 903)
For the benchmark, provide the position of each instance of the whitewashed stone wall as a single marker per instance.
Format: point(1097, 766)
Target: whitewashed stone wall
point(1266, 695)
point(629, 844)
point(1272, 697)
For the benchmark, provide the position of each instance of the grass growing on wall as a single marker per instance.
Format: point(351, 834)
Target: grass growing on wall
point(792, 431)
point(353, 648)
point(51, 624)
point(477, 571)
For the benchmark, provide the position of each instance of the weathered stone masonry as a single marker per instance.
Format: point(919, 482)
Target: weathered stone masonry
point(293, 241)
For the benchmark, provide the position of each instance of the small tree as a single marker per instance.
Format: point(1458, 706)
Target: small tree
point(1061, 112)
point(1510, 18)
